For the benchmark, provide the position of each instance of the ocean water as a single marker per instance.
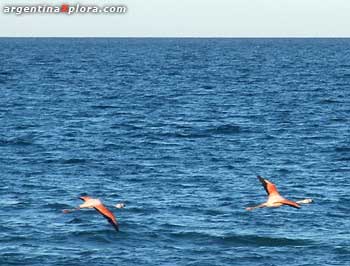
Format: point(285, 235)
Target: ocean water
point(177, 129)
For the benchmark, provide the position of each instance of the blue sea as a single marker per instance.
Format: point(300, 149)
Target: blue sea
point(178, 130)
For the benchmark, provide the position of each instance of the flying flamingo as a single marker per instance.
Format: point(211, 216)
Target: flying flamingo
point(275, 199)
point(98, 206)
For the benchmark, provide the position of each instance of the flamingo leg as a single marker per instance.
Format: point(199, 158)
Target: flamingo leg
point(262, 205)
point(71, 210)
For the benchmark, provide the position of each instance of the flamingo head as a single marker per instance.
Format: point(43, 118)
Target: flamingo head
point(120, 205)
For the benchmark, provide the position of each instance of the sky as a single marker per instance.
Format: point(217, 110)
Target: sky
point(185, 18)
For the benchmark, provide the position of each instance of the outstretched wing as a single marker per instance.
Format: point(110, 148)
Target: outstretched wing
point(290, 203)
point(85, 198)
point(269, 187)
point(108, 215)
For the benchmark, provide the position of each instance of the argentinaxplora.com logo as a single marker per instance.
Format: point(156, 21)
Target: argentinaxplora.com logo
point(68, 9)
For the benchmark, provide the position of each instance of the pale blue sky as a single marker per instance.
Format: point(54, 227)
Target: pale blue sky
point(190, 18)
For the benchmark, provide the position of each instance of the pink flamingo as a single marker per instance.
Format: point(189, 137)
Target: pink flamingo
point(275, 199)
point(98, 206)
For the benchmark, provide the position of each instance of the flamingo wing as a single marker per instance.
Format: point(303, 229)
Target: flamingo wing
point(269, 187)
point(290, 203)
point(85, 198)
point(108, 215)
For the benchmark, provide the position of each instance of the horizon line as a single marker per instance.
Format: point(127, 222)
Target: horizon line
point(181, 37)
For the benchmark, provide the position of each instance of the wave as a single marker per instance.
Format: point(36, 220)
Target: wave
point(342, 149)
point(6, 76)
point(21, 141)
point(345, 159)
point(208, 87)
point(103, 107)
point(342, 250)
point(328, 101)
point(67, 161)
point(6, 73)
point(241, 240)
point(171, 225)
point(227, 129)
point(192, 135)
point(101, 236)
point(74, 161)
point(76, 220)
point(14, 238)
point(266, 241)
point(57, 206)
